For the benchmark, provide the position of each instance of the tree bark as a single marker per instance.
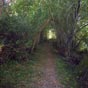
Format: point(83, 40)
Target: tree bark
point(37, 37)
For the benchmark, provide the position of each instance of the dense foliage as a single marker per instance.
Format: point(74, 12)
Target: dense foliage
point(23, 24)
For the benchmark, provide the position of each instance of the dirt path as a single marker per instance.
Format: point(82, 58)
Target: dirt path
point(44, 75)
point(49, 77)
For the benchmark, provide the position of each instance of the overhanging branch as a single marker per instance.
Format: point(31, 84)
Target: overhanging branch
point(84, 25)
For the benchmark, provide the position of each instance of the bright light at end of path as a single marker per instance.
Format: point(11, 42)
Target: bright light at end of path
point(51, 34)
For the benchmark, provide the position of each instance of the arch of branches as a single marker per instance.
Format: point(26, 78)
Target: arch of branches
point(69, 19)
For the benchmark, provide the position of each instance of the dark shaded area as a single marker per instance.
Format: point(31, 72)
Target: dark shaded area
point(7, 85)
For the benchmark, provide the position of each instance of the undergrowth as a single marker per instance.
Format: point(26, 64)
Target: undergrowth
point(14, 74)
point(66, 74)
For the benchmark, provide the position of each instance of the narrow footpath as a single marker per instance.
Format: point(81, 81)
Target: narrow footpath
point(44, 70)
point(49, 77)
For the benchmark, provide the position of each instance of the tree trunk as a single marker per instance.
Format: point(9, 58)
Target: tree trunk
point(37, 37)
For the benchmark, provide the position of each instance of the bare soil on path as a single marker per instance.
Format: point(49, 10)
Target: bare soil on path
point(49, 77)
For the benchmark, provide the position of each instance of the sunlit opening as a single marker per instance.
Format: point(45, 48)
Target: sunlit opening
point(51, 34)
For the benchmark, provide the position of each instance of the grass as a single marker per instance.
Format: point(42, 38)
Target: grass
point(15, 74)
point(66, 74)
point(83, 64)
